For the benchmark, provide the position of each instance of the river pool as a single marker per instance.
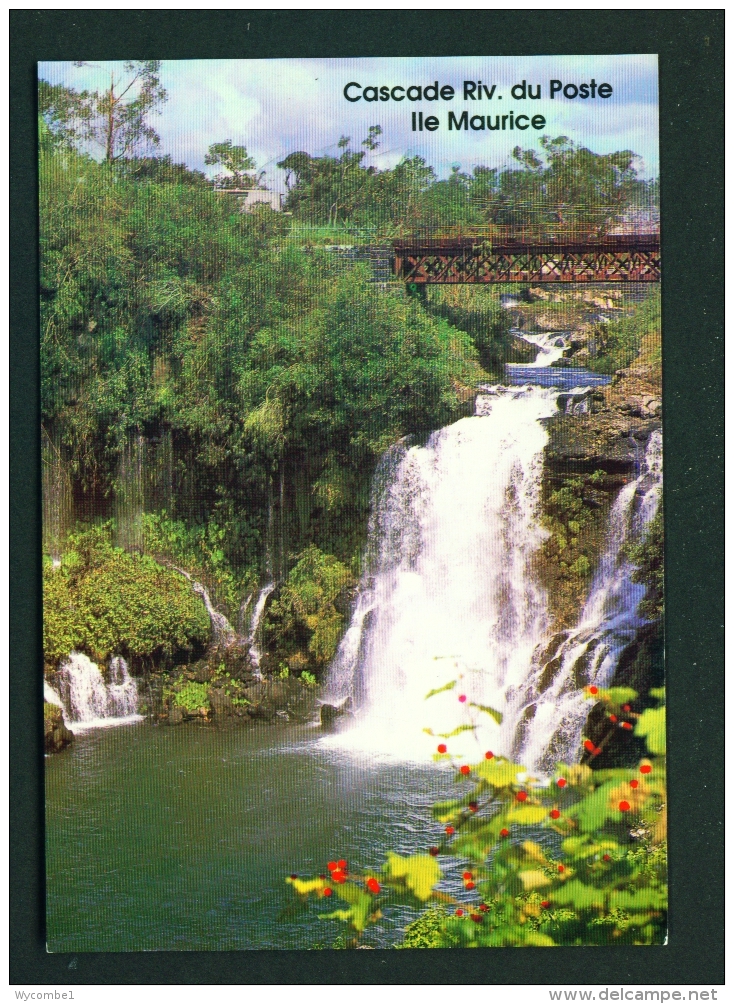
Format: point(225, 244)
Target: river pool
point(163, 838)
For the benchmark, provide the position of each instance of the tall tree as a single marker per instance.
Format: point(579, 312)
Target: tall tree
point(236, 161)
point(114, 119)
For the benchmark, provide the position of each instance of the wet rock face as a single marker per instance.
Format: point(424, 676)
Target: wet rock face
point(287, 700)
point(56, 736)
point(610, 440)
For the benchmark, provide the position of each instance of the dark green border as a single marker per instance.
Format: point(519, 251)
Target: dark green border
point(690, 46)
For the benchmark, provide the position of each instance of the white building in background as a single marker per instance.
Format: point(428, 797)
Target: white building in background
point(249, 197)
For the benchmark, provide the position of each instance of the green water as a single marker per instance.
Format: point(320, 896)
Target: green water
point(165, 838)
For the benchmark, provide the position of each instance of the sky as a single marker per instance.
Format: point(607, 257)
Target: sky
point(277, 106)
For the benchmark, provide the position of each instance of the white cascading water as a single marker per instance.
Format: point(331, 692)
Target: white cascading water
point(88, 701)
point(253, 639)
point(553, 703)
point(450, 594)
point(550, 344)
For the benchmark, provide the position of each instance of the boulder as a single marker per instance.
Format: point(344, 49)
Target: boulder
point(221, 702)
point(56, 736)
point(176, 714)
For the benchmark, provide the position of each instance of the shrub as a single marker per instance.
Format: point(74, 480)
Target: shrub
point(601, 879)
point(104, 601)
point(192, 696)
point(305, 613)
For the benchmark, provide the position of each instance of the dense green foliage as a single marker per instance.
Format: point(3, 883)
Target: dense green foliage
point(601, 879)
point(620, 341)
point(167, 314)
point(562, 185)
point(304, 624)
point(649, 558)
point(103, 601)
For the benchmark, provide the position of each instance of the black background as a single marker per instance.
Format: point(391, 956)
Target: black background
point(690, 47)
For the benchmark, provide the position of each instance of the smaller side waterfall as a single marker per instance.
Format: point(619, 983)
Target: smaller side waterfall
point(553, 703)
point(88, 701)
point(253, 639)
point(551, 346)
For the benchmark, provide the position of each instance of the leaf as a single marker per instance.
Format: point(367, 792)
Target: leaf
point(534, 880)
point(304, 886)
point(443, 811)
point(526, 815)
point(578, 894)
point(440, 690)
point(448, 735)
point(651, 725)
point(360, 901)
point(498, 772)
point(420, 872)
point(618, 695)
point(658, 693)
point(594, 810)
point(642, 899)
point(497, 715)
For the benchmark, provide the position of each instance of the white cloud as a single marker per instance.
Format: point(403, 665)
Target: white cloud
point(277, 106)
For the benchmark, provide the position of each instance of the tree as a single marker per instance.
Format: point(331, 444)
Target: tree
point(235, 160)
point(115, 119)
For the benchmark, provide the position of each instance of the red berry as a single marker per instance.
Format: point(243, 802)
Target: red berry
point(561, 782)
point(341, 863)
point(504, 833)
point(467, 875)
point(606, 857)
point(470, 885)
point(433, 851)
point(561, 868)
point(473, 806)
point(441, 747)
point(459, 913)
point(613, 718)
point(593, 690)
point(477, 918)
point(339, 876)
point(462, 697)
point(521, 796)
point(626, 725)
point(588, 745)
point(294, 876)
point(331, 865)
point(483, 907)
point(450, 830)
point(634, 784)
point(327, 891)
point(488, 755)
point(645, 768)
point(597, 751)
point(554, 813)
point(545, 903)
point(626, 707)
point(465, 769)
point(624, 806)
point(322, 876)
point(373, 885)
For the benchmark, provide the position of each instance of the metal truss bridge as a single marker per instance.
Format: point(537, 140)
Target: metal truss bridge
point(617, 257)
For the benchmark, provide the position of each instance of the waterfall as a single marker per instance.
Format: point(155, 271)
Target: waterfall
point(551, 346)
point(88, 701)
point(450, 597)
point(449, 592)
point(50, 696)
point(253, 637)
point(552, 702)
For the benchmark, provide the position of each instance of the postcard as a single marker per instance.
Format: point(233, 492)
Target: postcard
point(352, 503)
